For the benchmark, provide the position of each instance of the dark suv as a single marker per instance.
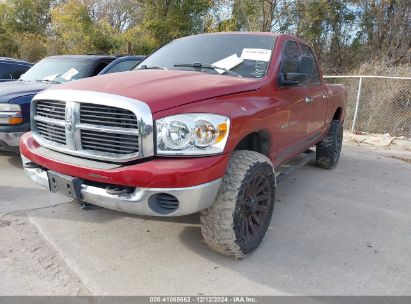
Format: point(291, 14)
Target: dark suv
point(15, 96)
point(12, 69)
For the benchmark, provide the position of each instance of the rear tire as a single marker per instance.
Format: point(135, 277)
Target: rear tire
point(237, 221)
point(329, 149)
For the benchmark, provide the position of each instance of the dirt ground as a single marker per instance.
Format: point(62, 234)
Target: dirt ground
point(339, 232)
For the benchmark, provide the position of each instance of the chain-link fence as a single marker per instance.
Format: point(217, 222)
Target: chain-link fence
point(377, 104)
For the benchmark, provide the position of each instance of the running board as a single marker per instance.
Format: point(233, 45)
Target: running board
point(286, 169)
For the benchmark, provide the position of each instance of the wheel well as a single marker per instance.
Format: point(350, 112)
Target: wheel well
point(256, 141)
point(337, 114)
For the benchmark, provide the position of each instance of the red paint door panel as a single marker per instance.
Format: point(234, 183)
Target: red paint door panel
point(293, 112)
point(317, 95)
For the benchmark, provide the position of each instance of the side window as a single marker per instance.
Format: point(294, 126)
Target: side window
point(12, 71)
point(100, 67)
point(123, 66)
point(17, 71)
point(290, 57)
point(5, 71)
point(315, 77)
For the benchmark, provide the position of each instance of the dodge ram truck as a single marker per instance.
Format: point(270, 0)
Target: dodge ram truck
point(201, 125)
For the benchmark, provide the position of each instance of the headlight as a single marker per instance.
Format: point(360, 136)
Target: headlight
point(192, 134)
point(10, 114)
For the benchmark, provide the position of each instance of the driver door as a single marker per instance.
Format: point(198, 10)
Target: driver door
point(293, 111)
point(317, 93)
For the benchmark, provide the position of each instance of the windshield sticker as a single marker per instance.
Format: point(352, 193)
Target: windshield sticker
point(69, 74)
point(227, 63)
point(51, 77)
point(256, 54)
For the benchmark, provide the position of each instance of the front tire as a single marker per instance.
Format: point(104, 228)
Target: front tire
point(329, 149)
point(236, 223)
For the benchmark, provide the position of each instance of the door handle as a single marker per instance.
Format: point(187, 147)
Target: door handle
point(309, 99)
point(325, 96)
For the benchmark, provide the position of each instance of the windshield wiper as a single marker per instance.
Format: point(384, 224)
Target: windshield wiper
point(199, 65)
point(47, 81)
point(153, 67)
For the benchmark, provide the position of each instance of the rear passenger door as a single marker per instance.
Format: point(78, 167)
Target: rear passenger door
point(317, 93)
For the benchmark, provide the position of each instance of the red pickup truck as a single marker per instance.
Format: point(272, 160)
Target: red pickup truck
point(200, 125)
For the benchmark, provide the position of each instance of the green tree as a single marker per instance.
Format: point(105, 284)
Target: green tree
point(23, 27)
point(27, 15)
point(166, 20)
point(260, 15)
point(71, 27)
point(75, 32)
point(8, 47)
point(345, 34)
point(328, 26)
point(384, 30)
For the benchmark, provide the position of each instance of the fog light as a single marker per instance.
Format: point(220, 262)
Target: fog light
point(163, 203)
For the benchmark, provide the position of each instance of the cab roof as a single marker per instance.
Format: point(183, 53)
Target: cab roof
point(8, 59)
point(277, 35)
point(90, 57)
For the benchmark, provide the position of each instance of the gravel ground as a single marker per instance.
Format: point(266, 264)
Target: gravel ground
point(339, 232)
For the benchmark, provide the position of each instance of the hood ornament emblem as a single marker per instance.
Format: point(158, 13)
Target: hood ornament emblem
point(69, 125)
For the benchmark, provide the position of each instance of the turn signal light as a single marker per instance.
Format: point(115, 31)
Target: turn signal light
point(15, 120)
point(222, 132)
point(10, 114)
point(10, 118)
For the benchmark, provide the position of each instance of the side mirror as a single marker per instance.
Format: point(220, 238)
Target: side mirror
point(292, 78)
point(305, 71)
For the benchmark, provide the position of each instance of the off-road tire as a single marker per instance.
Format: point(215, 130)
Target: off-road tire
point(223, 224)
point(329, 149)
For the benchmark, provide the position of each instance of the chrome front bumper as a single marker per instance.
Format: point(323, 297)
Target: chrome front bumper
point(10, 139)
point(190, 199)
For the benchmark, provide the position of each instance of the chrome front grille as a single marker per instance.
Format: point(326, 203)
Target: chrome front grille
point(111, 143)
point(107, 116)
point(52, 132)
point(93, 129)
point(99, 129)
point(51, 109)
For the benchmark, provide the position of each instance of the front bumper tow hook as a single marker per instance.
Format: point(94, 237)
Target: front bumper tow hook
point(31, 165)
point(87, 206)
point(117, 190)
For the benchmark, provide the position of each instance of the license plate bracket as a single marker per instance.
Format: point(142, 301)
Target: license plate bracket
point(65, 184)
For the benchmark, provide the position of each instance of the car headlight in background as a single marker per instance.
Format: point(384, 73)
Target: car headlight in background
point(10, 114)
point(192, 134)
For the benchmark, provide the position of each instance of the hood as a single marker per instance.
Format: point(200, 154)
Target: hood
point(13, 89)
point(164, 89)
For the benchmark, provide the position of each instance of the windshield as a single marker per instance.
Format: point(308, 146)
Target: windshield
point(236, 55)
point(57, 70)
